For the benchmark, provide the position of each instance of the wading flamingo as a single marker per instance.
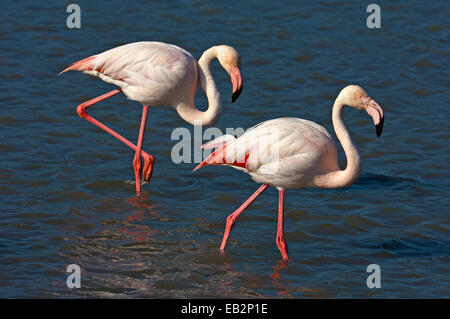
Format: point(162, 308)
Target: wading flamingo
point(159, 74)
point(294, 153)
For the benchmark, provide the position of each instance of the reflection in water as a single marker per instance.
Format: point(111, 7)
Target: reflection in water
point(276, 277)
point(139, 233)
point(144, 210)
point(226, 287)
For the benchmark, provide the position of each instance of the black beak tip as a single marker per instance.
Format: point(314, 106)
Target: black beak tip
point(236, 95)
point(379, 127)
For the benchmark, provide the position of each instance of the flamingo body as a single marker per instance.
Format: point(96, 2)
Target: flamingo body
point(284, 152)
point(151, 73)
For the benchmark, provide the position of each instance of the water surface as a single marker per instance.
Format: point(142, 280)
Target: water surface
point(65, 190)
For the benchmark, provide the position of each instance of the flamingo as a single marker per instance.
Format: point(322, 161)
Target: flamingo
point(159, 74)
point(294, 153)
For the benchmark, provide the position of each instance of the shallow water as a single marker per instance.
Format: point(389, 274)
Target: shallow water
point(65, 190)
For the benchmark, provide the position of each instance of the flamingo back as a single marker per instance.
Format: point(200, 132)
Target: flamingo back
point(152, 73)
point(283, 152)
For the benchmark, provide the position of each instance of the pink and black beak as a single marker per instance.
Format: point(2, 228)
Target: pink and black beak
point(236, 80)
point(376, 112)
point(379, 126)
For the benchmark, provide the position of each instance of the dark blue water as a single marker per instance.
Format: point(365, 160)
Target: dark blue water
point(65, 186)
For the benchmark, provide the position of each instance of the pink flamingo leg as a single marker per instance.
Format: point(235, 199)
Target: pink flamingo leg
point(231, 219)
point(81, 110)
point(137, 157)
point(281, 243)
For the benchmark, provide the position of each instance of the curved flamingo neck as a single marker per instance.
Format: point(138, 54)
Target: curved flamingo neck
point(346, 177)
point(188, 111)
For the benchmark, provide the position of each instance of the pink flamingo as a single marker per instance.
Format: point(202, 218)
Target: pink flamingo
point(159, 74)
point(294, 153)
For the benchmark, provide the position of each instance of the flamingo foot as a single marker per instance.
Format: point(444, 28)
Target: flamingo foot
point(282, 246)
point(149, 161)
point(231, 219)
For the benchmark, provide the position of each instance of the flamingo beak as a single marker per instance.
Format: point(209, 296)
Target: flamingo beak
point(379, 127)
point(236, 80)
point(376, 112)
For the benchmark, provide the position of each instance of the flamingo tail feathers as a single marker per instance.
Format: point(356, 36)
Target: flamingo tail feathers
point(219, 156)
point(86, 64)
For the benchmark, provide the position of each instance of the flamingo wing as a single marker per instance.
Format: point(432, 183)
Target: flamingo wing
point(280, 147)
point(139, 63)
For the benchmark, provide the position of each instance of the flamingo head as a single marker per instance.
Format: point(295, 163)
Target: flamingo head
point(355, 96)
point(230, 60)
